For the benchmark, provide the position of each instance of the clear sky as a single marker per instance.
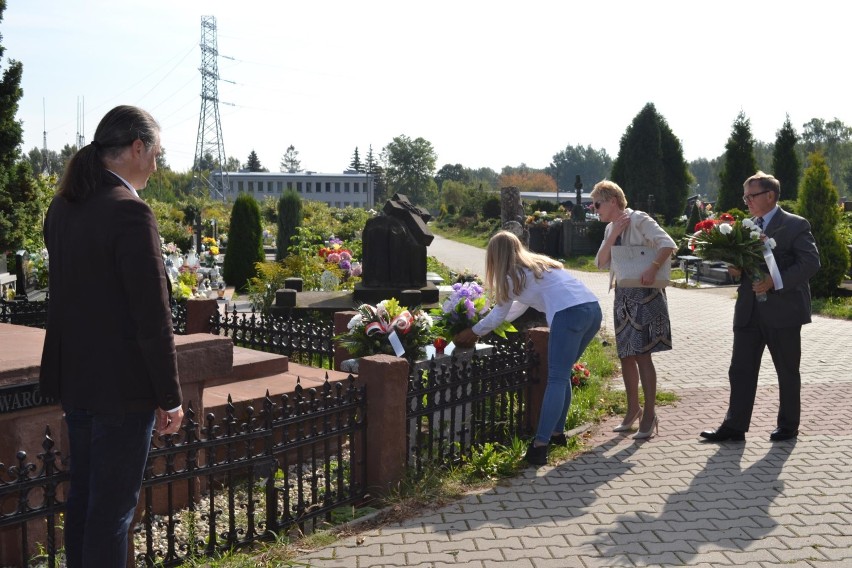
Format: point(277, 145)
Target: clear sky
point(489, 83)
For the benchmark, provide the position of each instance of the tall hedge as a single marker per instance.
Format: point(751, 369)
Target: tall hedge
point(245, 242)
point(818, 204)
point(289, 219)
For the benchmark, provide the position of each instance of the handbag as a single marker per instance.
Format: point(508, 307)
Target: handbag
point(628, 262)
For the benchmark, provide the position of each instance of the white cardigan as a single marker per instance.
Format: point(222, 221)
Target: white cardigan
point(642, 230)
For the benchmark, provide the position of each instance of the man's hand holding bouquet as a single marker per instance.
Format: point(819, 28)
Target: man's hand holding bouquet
point(739, 243)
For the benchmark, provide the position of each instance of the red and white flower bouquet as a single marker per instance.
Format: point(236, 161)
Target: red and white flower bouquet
point(375, 329)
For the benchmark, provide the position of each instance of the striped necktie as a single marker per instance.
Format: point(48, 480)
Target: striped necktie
point(759, 222)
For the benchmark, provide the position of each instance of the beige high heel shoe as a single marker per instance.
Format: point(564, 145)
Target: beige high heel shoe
point(650, 433)
point(628, 423)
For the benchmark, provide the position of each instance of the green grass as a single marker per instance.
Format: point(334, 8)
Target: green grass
point(466, 237)
point(839, 307)
point(585, 262)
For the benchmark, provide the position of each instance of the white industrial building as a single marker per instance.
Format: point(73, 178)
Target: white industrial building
point(348, 189)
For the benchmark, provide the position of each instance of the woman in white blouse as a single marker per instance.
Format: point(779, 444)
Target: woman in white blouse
point(516, 275)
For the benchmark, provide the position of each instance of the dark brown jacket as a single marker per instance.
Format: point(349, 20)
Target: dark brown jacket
point(109, 345)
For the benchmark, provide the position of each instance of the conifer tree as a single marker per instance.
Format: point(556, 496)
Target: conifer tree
point(289, 219)
point(737, 166)
point(786, 166)
point(290, 160)
point(253, 163)
point(356, 164)
point(650, 162)
point(13, 181)
point(245, 242)
point(818, 204)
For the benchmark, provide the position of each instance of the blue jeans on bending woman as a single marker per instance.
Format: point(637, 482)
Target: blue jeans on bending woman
point(571, 332)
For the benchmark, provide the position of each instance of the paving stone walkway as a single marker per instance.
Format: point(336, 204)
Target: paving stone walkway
point(668, 501)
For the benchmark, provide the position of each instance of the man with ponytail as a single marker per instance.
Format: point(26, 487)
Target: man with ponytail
point(109, 352)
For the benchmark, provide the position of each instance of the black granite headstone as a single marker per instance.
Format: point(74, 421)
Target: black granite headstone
point(394, 252)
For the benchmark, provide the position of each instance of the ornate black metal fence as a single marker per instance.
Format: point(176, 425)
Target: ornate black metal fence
point(304, 338)
point(225, 484)
point(179, 317)
point(34, 314)
point(31, 314)
point(454, 404)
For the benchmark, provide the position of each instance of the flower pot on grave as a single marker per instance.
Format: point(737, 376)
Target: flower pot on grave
point(465, 344)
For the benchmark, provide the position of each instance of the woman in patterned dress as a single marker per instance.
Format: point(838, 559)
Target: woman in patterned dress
point(641, 315)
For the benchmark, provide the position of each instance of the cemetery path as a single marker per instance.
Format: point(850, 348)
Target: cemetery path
point(670, 500)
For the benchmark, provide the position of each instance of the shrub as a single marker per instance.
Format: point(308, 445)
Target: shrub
point(261, 288)
point(737, 214)
point(289, 219)
point(789, 205)
point(596, 232)
point(468, 210)
point(491, 209)
point(542, 205)
point(677, 233)
point(177, 233)
point(245, 242)
point(487, 226)
point(818, 204)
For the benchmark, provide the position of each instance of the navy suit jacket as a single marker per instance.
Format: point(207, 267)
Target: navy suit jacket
point(797, 258)
point(109, 345)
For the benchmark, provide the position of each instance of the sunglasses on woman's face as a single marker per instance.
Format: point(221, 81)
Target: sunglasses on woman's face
point(598, 204)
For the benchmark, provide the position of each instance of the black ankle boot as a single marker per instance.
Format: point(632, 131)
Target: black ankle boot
point(558, 440)
point(536, 455)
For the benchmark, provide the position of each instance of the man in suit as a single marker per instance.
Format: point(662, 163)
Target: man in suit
point(776, 322)
point(109, 353)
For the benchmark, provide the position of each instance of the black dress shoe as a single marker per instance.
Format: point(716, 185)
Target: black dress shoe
point(781, 434)
point(722, 434)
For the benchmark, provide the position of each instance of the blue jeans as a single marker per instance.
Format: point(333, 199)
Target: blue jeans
point(108, 454)
point(571, 332)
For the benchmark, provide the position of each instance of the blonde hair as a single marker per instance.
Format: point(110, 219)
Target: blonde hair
point(506, 256)
point(606, 190)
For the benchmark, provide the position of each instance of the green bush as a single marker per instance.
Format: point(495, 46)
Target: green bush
point(818, 204)
point(596, 232)
point(789, 205)
point(177, 233)
point(677, 233)
point(468, 209)
point(289, 220)
point(269, 210)
point(542, 205)
point(491, 209)
point(245, 242)
point(487, 226)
